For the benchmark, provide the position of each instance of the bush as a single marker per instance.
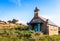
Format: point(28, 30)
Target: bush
point(25, 35)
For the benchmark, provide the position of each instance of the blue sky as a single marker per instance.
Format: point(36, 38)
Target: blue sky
point(23, 10)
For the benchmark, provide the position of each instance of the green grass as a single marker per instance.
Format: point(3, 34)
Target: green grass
point(25, 35)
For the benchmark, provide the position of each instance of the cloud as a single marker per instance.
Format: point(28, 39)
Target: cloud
point(17, 2)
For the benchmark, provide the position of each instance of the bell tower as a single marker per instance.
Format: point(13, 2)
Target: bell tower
point(35, 22)
point(36, 12)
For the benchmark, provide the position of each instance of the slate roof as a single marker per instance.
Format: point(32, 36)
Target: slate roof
point(41, 19)
point(49, 21)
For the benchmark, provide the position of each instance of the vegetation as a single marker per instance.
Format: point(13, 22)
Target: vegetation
point(21, 34)
point(59, 30)
point(14, 21)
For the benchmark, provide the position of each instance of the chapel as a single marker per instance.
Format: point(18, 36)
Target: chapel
point(41, 24)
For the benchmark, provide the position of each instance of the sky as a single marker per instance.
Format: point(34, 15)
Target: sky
point(23, 10)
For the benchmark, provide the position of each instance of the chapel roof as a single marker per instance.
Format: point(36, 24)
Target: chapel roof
point(42, 19)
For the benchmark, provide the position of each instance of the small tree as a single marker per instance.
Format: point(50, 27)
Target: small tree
point(10, 21)
point(14, 21)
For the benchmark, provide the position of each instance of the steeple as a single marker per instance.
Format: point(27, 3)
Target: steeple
point(36, 12)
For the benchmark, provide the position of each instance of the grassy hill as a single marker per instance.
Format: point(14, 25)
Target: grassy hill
point(22, 34)
point(17, 32)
